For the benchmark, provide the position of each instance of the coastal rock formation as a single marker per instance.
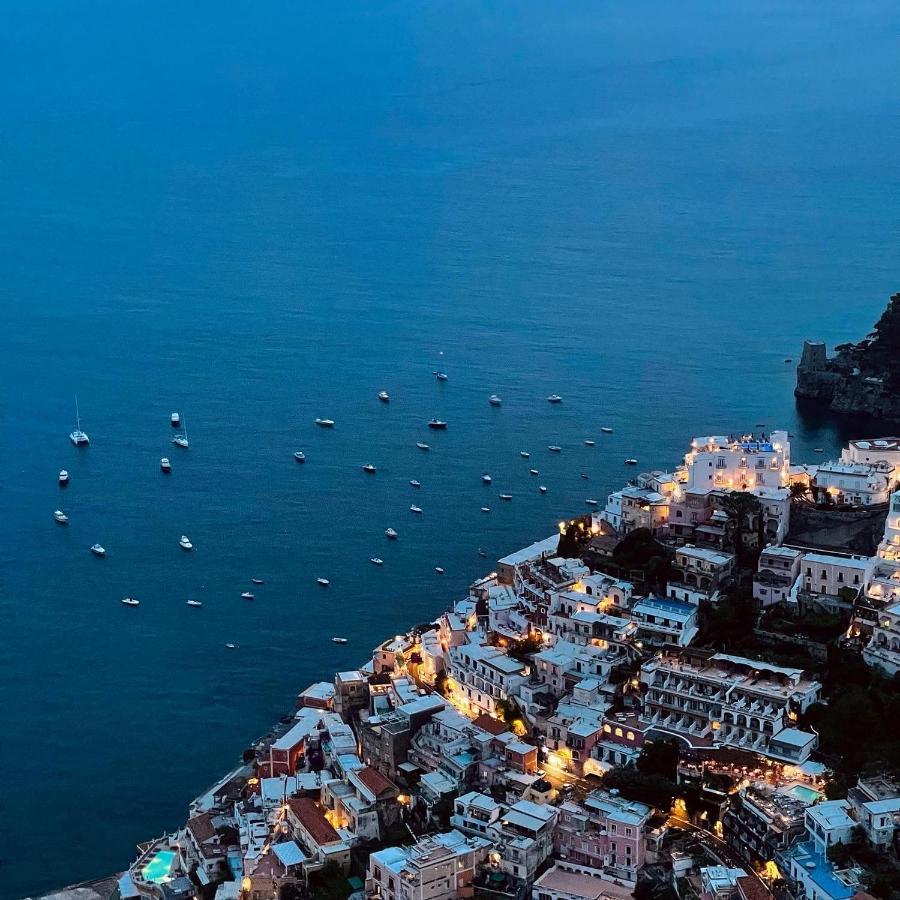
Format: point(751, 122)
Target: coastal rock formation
point(862, 378)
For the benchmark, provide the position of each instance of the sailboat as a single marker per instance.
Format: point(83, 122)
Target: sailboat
point(181, 440)
point(78, 437)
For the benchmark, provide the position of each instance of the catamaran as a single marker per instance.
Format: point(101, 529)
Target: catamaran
point(78, 437)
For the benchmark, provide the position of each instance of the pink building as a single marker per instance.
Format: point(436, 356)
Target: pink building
point(606, 835)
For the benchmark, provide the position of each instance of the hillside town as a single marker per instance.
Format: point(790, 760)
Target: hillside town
point(691, 692)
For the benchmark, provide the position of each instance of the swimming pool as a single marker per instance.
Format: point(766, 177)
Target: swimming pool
point(159, 869)
point(805, 794)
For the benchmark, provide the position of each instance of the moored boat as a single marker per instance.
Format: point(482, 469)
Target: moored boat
point(591, 502)
point(554, 398)
point(256, 581)
point(534, 471)
point(195, 603)
point(185, 543)
point(165, 464)
point(325, 423)
point(61, 517)
point(415, 484)
point(368, 467)
point(390, 534)
point(524, 454)
point(589, 443)
point(175, 419)
point(422, 446)
point(416, 509)
point(324, 582)
point(384, 396)
point(97, 550)
point(506, 496)
point(300, 456)
point(439, 570)
point(131, 601)
point(485, 509)
point(437, 424)
point(631, 461)
point(339, 640)
point(553, 448)
point(376, 561)
point(542, 489)
point(247, 595)
point(486, 479)
point(441, 376)
point(78, 437)
point(494, 400)
point(63, 478)
point(606, 429)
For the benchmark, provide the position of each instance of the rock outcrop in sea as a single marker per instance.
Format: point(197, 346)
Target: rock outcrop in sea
point(861, 378)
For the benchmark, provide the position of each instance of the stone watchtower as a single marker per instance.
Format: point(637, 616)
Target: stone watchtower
point(815, 381)
point(814, 356)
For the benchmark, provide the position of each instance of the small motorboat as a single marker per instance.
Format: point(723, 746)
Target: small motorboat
point(376, 561)
point(553, 448)
point(589, 443)
point(585, 476)
point(506, 496)
point(61, 517)
point(416, 509)
point(631, 461)
point(165, 465)
point(422, 446)
point(439, 570)
point(554, 398)
point(247, 595)
point(486, 479)
point(494, 400)
point(390, 534)
point(256, 581)
point(131, 601)
point(63, 478)
point(185, 543)
point(524, 454)
point(591, 502)
point(818, 450)
point(323, 581)
point(325, 423)
point(415, 484)
point(485, 509)
point(534, 472)
point(542, 489)
point(195, 603)
point(180, 440)
point(441, 376)
point(231, 646)
point(97, 550)
point(339, 640)
point(384, 396)
point(300, 456)
point(606, 429)
point(482, 552)
point(368, 467)
point(437, 424)
point(175, 419)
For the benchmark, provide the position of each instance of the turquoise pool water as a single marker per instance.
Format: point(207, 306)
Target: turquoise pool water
point(805, 794)
point(159, 868)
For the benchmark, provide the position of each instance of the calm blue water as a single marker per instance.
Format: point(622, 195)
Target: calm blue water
point(262, 213)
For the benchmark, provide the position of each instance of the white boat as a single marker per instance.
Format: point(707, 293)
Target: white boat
point(534, 472)
point(384, 396)
point(591, 502)
point(542, 489)
point(494, 400)
point(323, 581)
point(437, 424)
point(180, 440)
point(63, 477)
point(325, 423)
point(415, 484)
point(376, 561)
point(589, 443)
point(97, 550)
point(585, 476)
point(439, 570)
point(300, 456)
point(256, 581)
point(416, 509)
point(631, 461)
point(78, 437)
point(441, 376)
point(506, 496)
point(554, 398)
point(553, 448)
point(486, 478)
point(185, 543)
point(165, 465)
point(175, 419)
point(231, 646)
point(482, 552)
point(422, 446)
point(130, 601)
point(818, 450)
point(368, 467)
point(606, 429)
point(61, 517)
point(247, 595)
point(195, 603)
point(524, 454)
point(339, 640)
point(390, 534)
point(485, 509)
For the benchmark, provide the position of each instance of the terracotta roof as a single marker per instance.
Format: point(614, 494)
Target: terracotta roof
point(309, 815)
point(490, 724)
point(751, 888)
point(201, 827)
point(377, 783)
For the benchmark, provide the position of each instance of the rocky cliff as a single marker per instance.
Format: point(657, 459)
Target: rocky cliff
point(861, 378)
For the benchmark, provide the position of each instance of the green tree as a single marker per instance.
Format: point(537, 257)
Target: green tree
point(744, 511)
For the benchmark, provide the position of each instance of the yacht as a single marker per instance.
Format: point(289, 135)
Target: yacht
point(482, 552)
point(534, 472)
point(61, 517)
point(524, 454)
point(422, 446)
point(553, 448)
point(256, 581)
point(231, 646)
point(175, 419)
point(631, 461)
point(439, 570)
point(589, 443)
point(542, 489)
point(185, 543)
point(384, 396)
point(585, 476)
point(248, 595)
point(485, 509)
point(441, 376)
point(97, 550)
point(130, 601)
point(818, 450)
point(486, 478)
point(300, 456)
point(437, 424)
point(591, 502)
point(63, 478)
point(368, 467)
point(415, 484)
point(376, 561)
point(325, 423)
point(180, 440)
point(78, 437)
point(390, 534)
point(195, 603)
point(323, 581)
point(494, 400)
point(165, 465)
point(339, 640)
point(506, 496)
point(606, 429)
point(416, 509)
point(554, 398)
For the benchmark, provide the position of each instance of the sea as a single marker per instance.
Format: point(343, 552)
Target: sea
point(260, 214)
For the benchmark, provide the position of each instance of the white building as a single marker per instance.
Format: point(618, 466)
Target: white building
point(883, 649)
point(740, 465)
point(852, 483)
point(662, 621)
point(485, 675)
point(827, 574)
point(697, 573)
point(886, 450)
point(776, 575)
